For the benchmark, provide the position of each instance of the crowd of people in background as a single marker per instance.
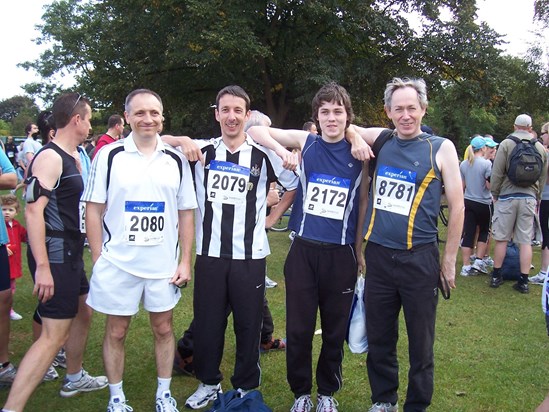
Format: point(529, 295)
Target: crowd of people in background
point(138, 198)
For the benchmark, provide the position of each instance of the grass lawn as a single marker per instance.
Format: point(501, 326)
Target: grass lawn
point(488, 351)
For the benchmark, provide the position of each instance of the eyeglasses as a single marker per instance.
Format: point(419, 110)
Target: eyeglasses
point(75, 103)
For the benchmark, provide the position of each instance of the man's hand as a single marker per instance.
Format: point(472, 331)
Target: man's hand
point(361, 261)
point(449, 271)
point(43, 283)
point(187, 146)
point(290, 160)
point(359, 148)
point(10, 252)
point(182, 275)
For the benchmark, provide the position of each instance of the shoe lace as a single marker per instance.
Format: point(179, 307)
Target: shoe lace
point(204, 390)
point(303, 403)
point(327, 404)
point(379, 407)
point(169, 404)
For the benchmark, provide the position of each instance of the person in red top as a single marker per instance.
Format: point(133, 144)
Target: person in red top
point(17, 234)
point(115, 130)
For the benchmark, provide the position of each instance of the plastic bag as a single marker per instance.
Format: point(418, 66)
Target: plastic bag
point(356, 333)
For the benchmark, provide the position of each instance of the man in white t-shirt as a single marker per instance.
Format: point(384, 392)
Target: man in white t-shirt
point(140, 200)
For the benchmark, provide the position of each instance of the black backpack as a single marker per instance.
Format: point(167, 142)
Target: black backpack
point(525, 162)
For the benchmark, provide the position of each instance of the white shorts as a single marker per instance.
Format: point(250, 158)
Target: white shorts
point(116, 292)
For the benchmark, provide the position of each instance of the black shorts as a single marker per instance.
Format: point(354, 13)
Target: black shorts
point(5, 282)
point(69, 277)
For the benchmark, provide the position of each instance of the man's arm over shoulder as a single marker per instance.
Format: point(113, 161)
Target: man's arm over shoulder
point(448, 163)
point(189, 147)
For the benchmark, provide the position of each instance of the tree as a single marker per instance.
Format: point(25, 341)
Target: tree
point(16, 105)
point(5, 129)
point(541, 11)
point(280, 51)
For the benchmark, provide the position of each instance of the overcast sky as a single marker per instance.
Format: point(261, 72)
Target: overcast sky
point(513, 18)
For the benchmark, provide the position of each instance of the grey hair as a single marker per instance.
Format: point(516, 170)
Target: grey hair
point(257, 119)
point(397, 83)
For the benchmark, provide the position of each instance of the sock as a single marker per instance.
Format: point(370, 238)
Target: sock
point(495, 273)
point(75, 377)
point(523, 278)
point(116, 390)
point(163, 385)
point(7, 410)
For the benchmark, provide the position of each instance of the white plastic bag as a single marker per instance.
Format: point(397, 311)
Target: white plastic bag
point(356, 334)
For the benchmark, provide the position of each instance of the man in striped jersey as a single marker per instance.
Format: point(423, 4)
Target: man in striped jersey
point(232, 182)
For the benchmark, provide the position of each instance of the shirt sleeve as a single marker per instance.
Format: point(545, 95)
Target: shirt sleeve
point(5, 164)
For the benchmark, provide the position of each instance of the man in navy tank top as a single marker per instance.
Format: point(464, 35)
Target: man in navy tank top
point(402, 255)
point(324, 258)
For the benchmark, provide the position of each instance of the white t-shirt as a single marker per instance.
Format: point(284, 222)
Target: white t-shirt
point(142, 196)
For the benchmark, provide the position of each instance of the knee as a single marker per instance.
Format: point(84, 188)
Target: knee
point(116, 333)
point(163, 330)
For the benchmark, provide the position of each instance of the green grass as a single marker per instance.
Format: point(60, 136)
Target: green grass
point(489, 351)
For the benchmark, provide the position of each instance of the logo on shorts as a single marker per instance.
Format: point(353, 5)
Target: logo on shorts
point(131, 238)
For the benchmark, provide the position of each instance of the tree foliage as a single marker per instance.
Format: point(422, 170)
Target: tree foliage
point(280, 51)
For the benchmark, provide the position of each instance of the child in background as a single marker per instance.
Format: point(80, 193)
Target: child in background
point(17, 234)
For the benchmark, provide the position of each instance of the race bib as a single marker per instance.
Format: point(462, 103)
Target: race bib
point(395, 190)
point(326, 196)
point(144, 223)
point(227, 183)
point(82, 210)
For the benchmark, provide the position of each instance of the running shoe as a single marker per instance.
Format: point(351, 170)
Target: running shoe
point(51, 374)
point(269, 283)
point(203, 395)
point(302, 404)
point(60, 359)
point(326, 404)
point(15, 316)
point(118, 405)
point(166, 403)
point(537, 279)
point(383, 407)
point(7, 375)
point(86, 383)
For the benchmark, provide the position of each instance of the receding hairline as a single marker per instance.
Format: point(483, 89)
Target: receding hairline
point(138, 92)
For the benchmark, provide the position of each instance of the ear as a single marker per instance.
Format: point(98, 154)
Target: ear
point(217, 115)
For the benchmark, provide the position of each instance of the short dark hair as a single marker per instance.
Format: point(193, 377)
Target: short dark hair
point(45, 124)
point(114, 120)
point(28, 128)
point(236, 91)
point(134, 93)
point(332, 92)
point(66, 106)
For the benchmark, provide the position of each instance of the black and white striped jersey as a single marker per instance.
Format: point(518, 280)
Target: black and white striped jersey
point(231, 190)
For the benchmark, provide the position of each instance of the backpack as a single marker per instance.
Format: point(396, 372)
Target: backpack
point(232, 402)
point(510, 269)
point(525, 162)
